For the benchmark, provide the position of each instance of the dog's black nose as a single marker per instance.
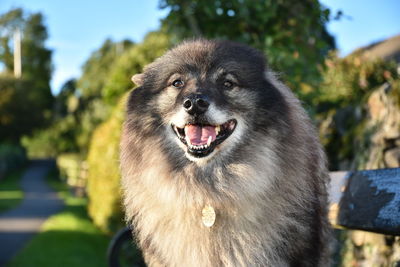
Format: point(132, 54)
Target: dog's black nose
point(195, 104)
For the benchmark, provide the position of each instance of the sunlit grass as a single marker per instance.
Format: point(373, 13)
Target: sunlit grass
point(68, 238)
point(10, 191)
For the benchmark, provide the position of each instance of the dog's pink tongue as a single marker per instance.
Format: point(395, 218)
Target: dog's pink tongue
point(199, 135)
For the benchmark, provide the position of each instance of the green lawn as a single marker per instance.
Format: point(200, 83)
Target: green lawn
point(10, 190)
point(67, 239)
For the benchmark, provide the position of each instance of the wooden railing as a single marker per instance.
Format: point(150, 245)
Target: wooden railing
point(366, 200)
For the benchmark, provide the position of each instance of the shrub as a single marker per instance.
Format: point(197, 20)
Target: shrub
point(11, 157)
point(103, 177)
point(73, 170)
point(52, 141)
point(342, 103)
point(103, 186)
point(351, 80)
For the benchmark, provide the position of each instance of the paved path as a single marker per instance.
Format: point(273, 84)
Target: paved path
point(17, 226)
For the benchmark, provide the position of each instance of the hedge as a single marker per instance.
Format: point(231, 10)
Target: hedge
point(103, 186)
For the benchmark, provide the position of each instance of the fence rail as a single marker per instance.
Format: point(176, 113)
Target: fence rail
point(366, 200)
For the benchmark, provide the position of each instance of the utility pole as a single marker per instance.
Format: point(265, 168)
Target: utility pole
point(17, 54)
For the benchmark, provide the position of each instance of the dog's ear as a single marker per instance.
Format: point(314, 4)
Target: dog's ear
point(138, 79)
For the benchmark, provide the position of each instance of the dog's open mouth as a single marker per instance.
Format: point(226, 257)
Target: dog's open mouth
point(201, 139)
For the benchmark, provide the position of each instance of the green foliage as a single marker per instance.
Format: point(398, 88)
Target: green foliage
point(73, 122)
point(291, 33)
point(10, 190)
point(68, 238)
point(73, 170)
point(25, 103)
point(97, 68)
point(61, 135)
point(66, 101)
point(56, 139)
point(82, 100)
point(11, 157)
point(9, 22)
point(104, 179)
point(131, 62)
point(82, 105)
point(20, 108)
point(90, 115)
point(350, 80)
point(36, 58)
point(340, 103)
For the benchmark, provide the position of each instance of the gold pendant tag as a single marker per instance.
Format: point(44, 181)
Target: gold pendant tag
point(208, 216)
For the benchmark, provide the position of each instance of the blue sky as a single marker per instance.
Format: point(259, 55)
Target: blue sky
point(76, 28)
point(365, 21)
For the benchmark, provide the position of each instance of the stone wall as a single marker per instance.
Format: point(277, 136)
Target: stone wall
point(379, 148)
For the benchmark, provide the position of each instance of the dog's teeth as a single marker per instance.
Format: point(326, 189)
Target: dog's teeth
point(209, 140)
point(217, 129)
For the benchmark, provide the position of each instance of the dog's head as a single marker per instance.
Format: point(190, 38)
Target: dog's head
point(207, 97)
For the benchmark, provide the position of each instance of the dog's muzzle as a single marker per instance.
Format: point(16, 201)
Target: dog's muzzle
point(202, 139)
point(199, 136)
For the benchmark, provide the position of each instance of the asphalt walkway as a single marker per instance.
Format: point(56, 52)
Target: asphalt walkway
point(18, 225)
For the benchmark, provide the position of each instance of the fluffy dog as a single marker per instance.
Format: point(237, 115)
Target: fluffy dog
point(220, 163)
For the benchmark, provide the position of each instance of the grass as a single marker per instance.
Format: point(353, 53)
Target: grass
point(10, 190)
point(68, 238)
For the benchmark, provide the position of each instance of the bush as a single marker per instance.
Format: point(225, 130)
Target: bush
point(103, 177)
point(103, 186)
point(351, 80)
point(342, 103)
point(11, 157)
point(73, 170)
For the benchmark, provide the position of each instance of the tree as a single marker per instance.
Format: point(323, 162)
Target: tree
point(99, 64)
point(66, 101)
point(292, 33)
point(61, 135)
point(19, 110)
point(36, 58)
point(132, 61)
point(29, 100)
point(9, 23)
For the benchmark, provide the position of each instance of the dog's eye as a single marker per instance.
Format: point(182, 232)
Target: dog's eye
point(178, 83)
point(228, 84)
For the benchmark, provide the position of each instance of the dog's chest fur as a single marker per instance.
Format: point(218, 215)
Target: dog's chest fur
point(252, 228)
